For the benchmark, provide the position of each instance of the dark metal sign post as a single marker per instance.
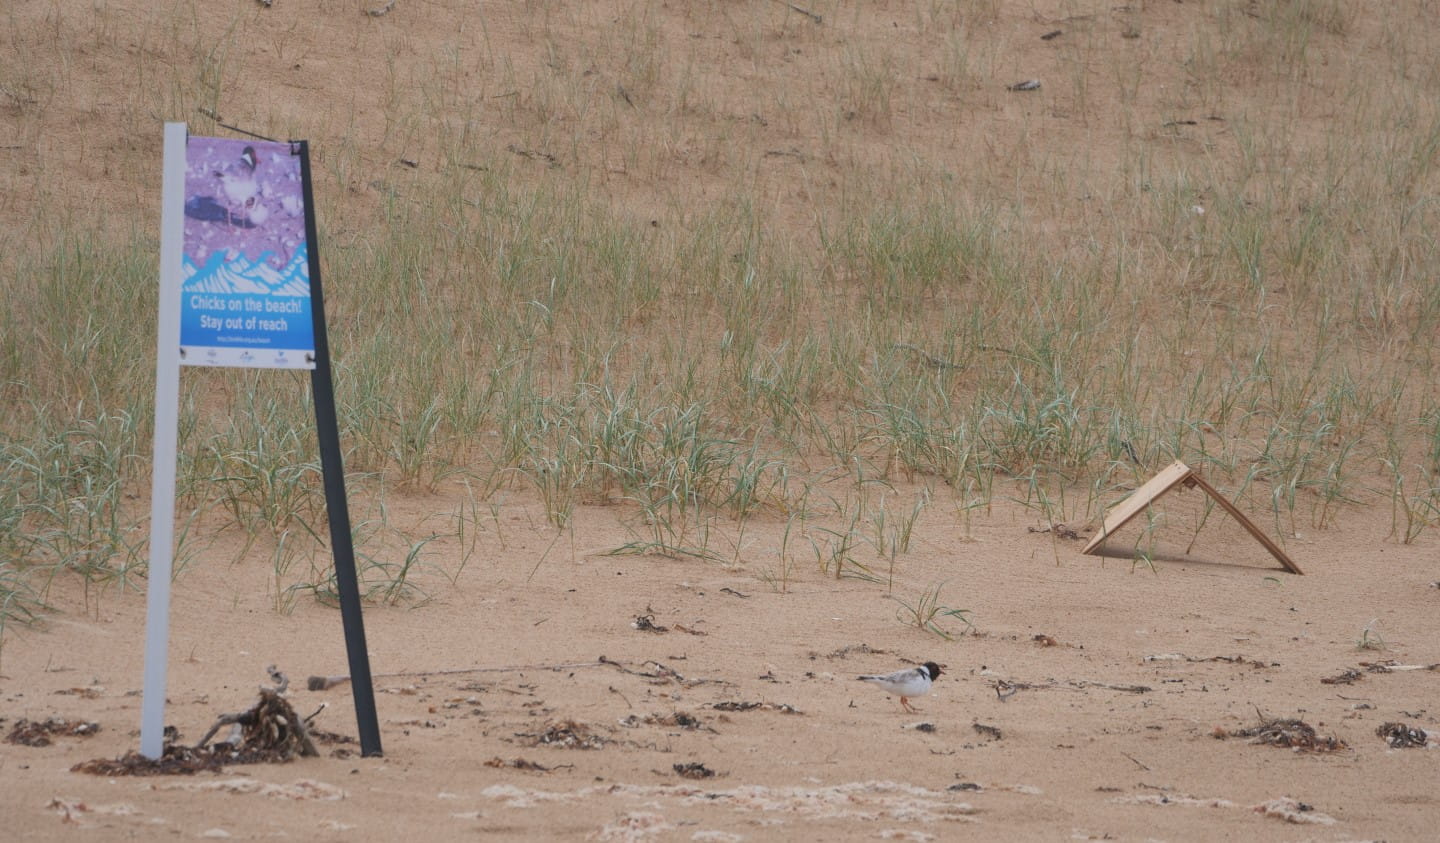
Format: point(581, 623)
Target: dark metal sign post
point(336, 504)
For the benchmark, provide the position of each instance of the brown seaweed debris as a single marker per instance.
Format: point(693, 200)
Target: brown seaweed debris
point(736, 705)
point(38, 732)
point(523, 764)
point(269, 733)
point(566, 734)
point(175, 760)
point(844, 652)
point(1292, 733)
point(693, 770)
point(1402, 736)
point(677, 720)
point(646, 623)
point(341, 746)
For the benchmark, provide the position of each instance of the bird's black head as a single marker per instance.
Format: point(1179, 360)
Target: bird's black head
point(933, 669)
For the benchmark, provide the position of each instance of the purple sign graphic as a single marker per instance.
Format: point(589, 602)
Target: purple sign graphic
point(246, 293)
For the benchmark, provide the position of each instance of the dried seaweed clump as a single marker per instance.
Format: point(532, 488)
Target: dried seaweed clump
point(1402, 735)
point(677, 720)
point(1296, 734)
point(175, 760)
point(567, 734)
point(693, 770)
point(269, 733)
point(38, 732)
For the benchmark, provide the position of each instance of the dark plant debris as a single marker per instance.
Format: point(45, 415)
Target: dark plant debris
point(174, 761)
point(270, 733)
point(321, 736)
point(1236, 659)
point(675, 720)
point(90, 692)
point(735, 705)
point(1292, 733)
point(694, 770)
point(522, 764)
point(38, 732)
point(566, 734)
point(1402, 736)
point(646, 623)
point(1349, 676)
point(660, 674)
point(1059, 530)
point(270, 730)
point(843, 652)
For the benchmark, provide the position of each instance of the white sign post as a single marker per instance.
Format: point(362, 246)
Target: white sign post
point(167, 413)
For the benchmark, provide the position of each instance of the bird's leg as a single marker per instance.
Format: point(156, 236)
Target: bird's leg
point(905, 704)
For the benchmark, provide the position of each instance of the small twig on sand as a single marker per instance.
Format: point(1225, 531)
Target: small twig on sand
point(323, 683)
point(223, 720)
point(1002, 686)
point(806, 12)
point(1111, 686)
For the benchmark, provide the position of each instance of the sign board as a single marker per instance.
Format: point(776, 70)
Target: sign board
point(246, 262)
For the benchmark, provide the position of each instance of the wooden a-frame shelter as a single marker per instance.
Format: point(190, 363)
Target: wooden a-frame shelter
point(1179, 473)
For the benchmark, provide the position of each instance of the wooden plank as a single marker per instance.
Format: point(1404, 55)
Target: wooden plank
point(1141, 498)
point(1271, 546)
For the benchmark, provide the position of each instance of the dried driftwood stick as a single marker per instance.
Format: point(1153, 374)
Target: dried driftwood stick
point(224, 720)
point(322, 683)
point(325, 683)
point(806, 12)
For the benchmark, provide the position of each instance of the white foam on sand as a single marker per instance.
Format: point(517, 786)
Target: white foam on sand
point(870, 800)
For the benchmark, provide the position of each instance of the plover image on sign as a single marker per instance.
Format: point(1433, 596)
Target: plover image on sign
point(240, 187)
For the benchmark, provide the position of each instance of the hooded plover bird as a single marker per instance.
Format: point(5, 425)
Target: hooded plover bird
point(911, 682)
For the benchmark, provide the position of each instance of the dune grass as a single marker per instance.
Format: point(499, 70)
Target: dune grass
point(1243, 278)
